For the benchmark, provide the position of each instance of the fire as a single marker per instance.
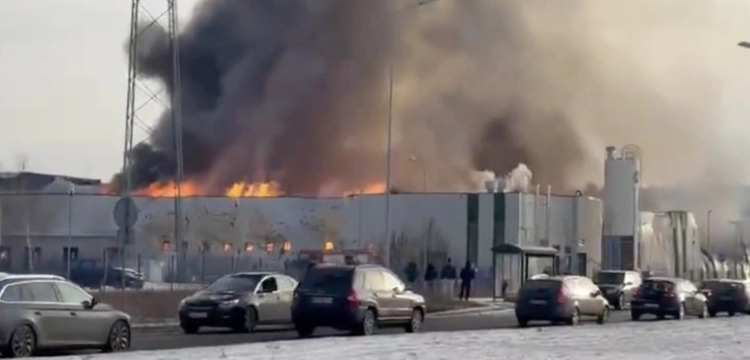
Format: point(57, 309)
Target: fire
point(189, 188)
point(238, 190)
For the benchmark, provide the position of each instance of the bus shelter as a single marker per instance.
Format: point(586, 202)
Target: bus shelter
point(514, 264)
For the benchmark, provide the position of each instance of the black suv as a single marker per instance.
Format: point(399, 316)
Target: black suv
point(618, 286)
point(357, 298)
point(726, 295)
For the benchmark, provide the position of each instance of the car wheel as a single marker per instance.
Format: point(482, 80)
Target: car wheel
point(731, 313)
point(680, 314)
point(711, 313)
point(522, 322)
point(248, 321)
point(119, 337)
point(635, 316)
point(704, 312)
point(660, 316)
point(620, 302)
point(22, 342)
point(575, 317)
point(368, 324)
point(304, 331)
point(604, 316)
point(415, 322)
point(189, 328)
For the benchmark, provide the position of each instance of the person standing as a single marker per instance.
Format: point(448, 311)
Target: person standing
point(448, 280)
point(467, 276)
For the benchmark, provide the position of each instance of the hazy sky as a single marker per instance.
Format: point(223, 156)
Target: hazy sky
point(63, 81)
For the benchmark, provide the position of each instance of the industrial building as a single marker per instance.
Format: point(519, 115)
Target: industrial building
point(509, 235)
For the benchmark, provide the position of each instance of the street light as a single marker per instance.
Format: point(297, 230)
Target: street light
point(389, 145)
point(421, 163)
point(708, 229)
point(71, 192)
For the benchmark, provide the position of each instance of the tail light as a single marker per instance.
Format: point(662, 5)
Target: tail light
point(670, 294)
point(562, 295)
point(352, 299)
point(637, 293)
point(295, 297)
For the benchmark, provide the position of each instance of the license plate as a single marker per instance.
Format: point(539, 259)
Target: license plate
point(197, 315)
point(538, 302)
point(651, 306)
point(726, 298)
point(321, 300)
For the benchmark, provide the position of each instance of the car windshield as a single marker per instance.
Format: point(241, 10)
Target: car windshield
point(234, 284)
point(657, 285)
point(610, 277)
point(541, 286)
point(328, 279)
point(720, 285)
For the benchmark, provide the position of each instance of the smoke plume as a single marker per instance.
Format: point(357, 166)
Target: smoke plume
point(296, 91)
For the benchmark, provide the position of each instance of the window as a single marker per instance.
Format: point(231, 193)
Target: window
point(234, 283)
point(269, 285)
point(73, 253)
point(329, 279)
point(13, 293)
point(286, 283)
point(374, 281)
point(41, 291)
point(391, 282)
point(72, 294)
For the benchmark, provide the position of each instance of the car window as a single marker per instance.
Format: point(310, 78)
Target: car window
point(541, 286)
point(610, 277)
point(285, 283)
point(234, 283)
point(269, 285)
point(657, 285)
point(72, 294)
point(42, 291)
point(330, 279)
point(13, 293)
point(390, 281)
point(374, 281)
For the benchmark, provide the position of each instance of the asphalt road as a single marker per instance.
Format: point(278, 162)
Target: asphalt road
point(173, 338)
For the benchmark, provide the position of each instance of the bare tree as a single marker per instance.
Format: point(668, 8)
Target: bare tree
point(22, 162)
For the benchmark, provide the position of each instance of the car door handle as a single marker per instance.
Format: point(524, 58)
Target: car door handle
point(37, 313)
point(73, 313)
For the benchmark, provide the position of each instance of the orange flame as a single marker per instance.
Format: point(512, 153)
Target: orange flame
point(372, 189)
point(190, 188)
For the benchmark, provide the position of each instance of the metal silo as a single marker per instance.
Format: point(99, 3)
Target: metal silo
point(620, 247)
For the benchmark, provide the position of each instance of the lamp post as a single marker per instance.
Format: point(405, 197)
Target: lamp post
point(708, 229)
point(69, 253)
point(389, 145)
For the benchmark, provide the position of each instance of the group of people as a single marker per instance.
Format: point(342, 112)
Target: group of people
point(447, 272)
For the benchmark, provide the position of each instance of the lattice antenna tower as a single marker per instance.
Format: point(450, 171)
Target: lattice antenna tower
point(145, 14)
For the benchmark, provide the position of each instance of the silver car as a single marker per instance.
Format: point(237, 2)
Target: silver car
point(47, 312)
point(241, 302)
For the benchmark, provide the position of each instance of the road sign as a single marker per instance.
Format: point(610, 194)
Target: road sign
point(125, 235)
point(125, 212)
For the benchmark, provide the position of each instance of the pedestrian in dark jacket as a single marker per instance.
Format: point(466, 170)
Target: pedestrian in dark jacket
point(467, 276)
point(430, 274)
point(448, 272)
point(412, 273)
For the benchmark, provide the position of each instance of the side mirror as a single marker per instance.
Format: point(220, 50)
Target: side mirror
point(595, 293)
point(398, 290)
point(90, 304)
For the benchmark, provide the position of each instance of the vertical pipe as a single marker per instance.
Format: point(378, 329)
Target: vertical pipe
point(536, 214)
point(70, 231)
point(548, 216)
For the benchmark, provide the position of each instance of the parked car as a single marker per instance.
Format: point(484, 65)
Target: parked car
point(357, 298)
point(240, 301)
point(92, 274)
point(47, 312)
point(561, 299)
point(665, 296)
point(618, 286)
point(726, 295)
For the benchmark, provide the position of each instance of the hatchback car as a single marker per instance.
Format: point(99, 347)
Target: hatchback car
point(618, 286)
point(562, 299)
point(357, 298)
point(663, 296)
point(46, 312)
point(726, 295)
point(239, 301)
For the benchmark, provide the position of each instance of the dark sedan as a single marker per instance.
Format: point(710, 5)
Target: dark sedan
point(726, 295)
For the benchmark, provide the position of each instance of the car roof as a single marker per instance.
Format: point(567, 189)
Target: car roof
point(664, 278)
point(726, 281)
point(6, 278)
point(253, 273)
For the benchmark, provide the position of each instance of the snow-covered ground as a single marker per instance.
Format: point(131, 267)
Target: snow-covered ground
point(720, 338)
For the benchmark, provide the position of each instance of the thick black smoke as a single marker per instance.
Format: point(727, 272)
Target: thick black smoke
point(296, 91)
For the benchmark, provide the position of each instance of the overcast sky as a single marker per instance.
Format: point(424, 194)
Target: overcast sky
point(63, 81)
